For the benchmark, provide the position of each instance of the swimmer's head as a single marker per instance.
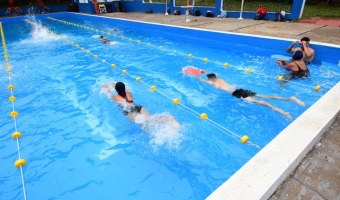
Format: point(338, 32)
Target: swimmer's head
point(211, 76)
point(306, 39)
point(298, 55)
point(101, 36)
point(120, 88)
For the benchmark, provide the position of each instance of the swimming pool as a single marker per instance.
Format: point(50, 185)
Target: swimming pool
point(64, 92)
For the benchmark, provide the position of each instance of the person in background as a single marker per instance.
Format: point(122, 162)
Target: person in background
point(308, 52)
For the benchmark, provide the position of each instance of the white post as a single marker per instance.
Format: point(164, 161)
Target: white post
point(241, 10)
point(302, 8)
point(187, 12)
point(166, 7)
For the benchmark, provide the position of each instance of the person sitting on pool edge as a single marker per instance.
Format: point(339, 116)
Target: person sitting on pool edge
point(297, 66)
point(308, 52)
point(104, 40)
point(125, 101)
point(248, 95)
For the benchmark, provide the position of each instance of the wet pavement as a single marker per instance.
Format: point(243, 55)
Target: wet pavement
point(318, 175)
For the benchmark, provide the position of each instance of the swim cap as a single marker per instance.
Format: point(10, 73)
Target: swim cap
point(120, 88)
point(298, 55)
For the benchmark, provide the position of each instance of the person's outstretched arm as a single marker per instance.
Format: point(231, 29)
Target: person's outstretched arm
point(286, 65)
point(290, 47)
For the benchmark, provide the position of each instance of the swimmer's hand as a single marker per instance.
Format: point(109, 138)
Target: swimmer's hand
point(112, 84)
point(200, 72)
point(282, 62)
point(107, 89)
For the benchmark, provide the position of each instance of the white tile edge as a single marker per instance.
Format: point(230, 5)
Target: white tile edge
point(263, 174)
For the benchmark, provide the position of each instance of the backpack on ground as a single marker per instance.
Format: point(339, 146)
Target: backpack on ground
point(279, 17)
point(261, 12)
point(209, 14)
point(197, 13)
point(149, 11)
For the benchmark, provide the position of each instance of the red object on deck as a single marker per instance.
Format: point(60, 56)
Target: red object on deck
point(335, 23)
point(96, 6)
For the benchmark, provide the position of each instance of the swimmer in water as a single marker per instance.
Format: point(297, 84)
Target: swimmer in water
point(248, 95)
point(104, 40)
point(297, 67)
point(308, 52)
point(130, 109)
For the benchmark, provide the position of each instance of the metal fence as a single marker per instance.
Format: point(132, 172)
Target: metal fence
point(25, 3)
point(253, 5)
point(203, 3)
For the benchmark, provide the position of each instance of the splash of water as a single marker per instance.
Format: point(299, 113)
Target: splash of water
point(164, 130)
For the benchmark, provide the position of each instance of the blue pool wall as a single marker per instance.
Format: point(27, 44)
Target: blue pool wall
point(160, 8)
point(139, 6)
point(324, 52)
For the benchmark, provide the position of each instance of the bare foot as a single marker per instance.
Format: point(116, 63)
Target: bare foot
point(298, 101)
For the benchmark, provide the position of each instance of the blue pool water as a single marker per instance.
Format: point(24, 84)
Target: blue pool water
point(79, 145)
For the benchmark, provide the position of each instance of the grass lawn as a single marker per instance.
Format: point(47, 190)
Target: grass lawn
point(321, 11)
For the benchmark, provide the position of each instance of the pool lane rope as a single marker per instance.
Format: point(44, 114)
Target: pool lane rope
point(203, 116)
point(14, 114)
point(247, 70)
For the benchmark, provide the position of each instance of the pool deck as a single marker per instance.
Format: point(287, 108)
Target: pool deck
point(317, 176)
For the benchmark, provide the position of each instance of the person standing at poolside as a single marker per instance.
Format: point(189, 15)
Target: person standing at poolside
point(248, 95)
point(308, 52)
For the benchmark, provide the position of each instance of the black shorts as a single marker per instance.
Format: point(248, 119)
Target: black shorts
point(243, 93)
point(133, 109)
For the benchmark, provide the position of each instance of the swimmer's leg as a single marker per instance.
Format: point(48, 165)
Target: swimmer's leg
point(144, 112)
point(169, 120)
point(292, 98)
point(263, 103)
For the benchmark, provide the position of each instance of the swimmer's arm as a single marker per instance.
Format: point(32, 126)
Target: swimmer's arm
point(290, 48)
point(106, 89)
point(288, 66)
point(308, 51)
point(282, 62)
point(201, 79)
point(129, 97)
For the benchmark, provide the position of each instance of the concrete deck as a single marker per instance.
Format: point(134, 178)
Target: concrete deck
point(318, 175)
